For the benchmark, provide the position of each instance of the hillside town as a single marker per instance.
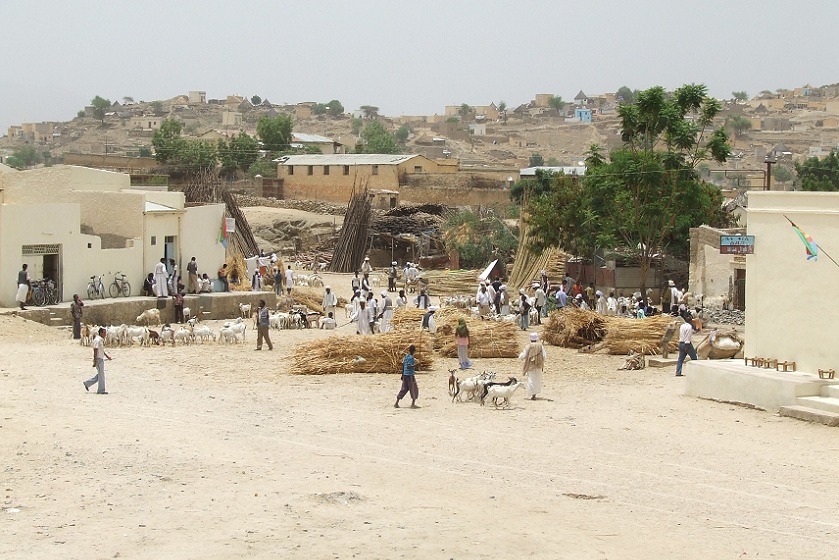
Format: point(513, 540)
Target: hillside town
point(269, 287)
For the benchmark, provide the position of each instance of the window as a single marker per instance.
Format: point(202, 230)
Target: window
point(326, 170)
point(346, 170)
point(375, 170)
point(291, 170)
point(311, 170)
point(154, 240)
point(417, 169)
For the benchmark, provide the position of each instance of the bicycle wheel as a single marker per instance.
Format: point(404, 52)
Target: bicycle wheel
point(38, 297)
point(91, 292)
point(56, 296)
point(113, 289)
point(126, 289)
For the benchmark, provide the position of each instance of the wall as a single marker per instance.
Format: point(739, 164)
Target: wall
point(784, 324)
point(710, 272)
point(200, 232)
point(110, 161)
point(117, 213)
point(335, 187)
point(58, 224)
point(159, 225)
point(452, 196)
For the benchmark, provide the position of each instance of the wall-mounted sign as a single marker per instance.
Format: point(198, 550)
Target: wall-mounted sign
point(230, 225)
point(737, 244)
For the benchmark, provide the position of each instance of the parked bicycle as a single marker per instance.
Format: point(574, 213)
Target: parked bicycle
point(52, 292)
point(119, 286)
point(95, 288)
point(37, 293)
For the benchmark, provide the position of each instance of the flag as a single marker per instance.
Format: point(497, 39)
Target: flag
point(222, 233)
point(810, 245)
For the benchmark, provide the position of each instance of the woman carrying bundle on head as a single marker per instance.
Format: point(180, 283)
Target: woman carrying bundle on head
point(461, 338)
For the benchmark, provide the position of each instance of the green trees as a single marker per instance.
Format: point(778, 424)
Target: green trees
point(648, 194)
point(464, 111)
point(819, 175)
point(626, 95)
point(256, 100)
point(100, 105)
point(335, 108)
point(556, 102)
point(536, 160)
point(356, 125)
point(275, 132)
point(25, 157)
point(377, 140)
point(782, 174)
point(739, 124)
point(237, 154)
point(167, 142)
point(740, 95)
point(369, 111)
point(402, 133)
point(185, 156)
point(478, 240)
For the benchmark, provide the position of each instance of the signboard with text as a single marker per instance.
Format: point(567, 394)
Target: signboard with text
point(230, 225)
point(737, 244)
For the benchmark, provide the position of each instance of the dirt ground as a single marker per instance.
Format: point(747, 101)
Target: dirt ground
point(218, 452)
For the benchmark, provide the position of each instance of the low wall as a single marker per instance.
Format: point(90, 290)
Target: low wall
point(458, 196)
point(216, 306)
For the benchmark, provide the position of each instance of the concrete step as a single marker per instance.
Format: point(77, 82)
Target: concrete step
point(811, 414)
point(829, 404)
point(831, 391)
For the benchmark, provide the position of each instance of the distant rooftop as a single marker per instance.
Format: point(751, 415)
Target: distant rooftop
point(569, 170)
point(345, 159)
point(311, 138)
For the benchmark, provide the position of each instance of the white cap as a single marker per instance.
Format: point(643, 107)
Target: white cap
point(327, 287)
point(534, 336)
point(384, 293)
point(366, 258)
point(393, 263)
point(432, 308)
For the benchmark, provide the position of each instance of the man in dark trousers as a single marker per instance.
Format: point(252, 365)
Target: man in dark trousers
point(76, 312)
point(263, 322)
point(409, 379)
point(192, 270)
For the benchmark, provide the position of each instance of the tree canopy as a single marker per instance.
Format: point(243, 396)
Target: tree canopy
point(556, 102)
point(536, 160)
point(24, 158)
point(369, 111)
point(99, 105)
point(648, 194)
point(378, 140)
point(184, 155)
point(819, 174)
point(238, 153)
point(626, 95)
point(275, 132)
point(740, 95)
point(739, 124)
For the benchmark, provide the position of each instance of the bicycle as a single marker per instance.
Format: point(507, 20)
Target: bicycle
point(95, 288)
point(119, 286)
point(38, 294)
point(53, 296)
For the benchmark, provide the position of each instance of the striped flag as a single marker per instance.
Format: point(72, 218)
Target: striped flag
point(222, 233)
point(810, 245)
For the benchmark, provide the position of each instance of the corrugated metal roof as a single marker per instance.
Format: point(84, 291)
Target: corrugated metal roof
point(570, 170)
point(311, 138)
point(345, 159)
point(155, 207)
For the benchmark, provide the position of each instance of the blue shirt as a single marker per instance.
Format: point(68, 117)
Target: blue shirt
point(408, 365)
point(561, 298)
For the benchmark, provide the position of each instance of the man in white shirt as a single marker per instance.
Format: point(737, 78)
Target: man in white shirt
point(99, 356)
point(483, 301)
point(289, 279)
point(364, 318)
point(329, 301)
point(540, 300)
point(328, 322)
point(685, 346)
point(160, 275)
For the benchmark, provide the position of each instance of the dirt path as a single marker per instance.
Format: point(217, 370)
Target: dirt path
point(218, 452)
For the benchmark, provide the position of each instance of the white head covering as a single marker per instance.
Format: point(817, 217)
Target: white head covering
point(671, 283)
point(393, 263)
point(384, 293)
point(534, 337)
point(366, 258)
point(432, 308)
point(327, 287)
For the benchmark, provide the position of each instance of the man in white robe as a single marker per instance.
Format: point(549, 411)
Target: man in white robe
point(386, 314)
point(160, 277)
point(364, 318)
point(534, 356)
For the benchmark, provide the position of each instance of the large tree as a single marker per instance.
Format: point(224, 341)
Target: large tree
point(167, 142)
point(181, 154)
point(378, 140)
point(626, 95)
point(819, 174)
point(99, 105)
point(238, 153)
point(24, 158)
point(739, 124)
point(275, 132)
point(648, 194)
point(556, 102)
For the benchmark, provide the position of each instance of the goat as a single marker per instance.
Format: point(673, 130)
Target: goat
point(140, 333)
point(154, 337)
point(204, 333)
point(85, 335)
point(502, 392)
point(510, 381)
point(452, 382)
point(245, 310)
point(148, 315)
point(471, 385)
point(167, 335)
point(226, 335)
point(182, 335)
point(238, 328)
point(187, 311)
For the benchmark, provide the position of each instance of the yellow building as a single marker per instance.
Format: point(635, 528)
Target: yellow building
point(332, 177)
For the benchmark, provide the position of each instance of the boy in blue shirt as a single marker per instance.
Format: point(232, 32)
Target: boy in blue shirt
point(409, 379)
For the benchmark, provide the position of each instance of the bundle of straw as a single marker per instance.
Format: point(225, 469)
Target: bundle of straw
point(382, 353)
point(574, 328)
point(487, 339)
point(451, 282)
point(310, 297)
point(410, 318)
point(236, 267)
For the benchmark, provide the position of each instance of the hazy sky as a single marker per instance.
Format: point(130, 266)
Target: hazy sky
point(406, 57)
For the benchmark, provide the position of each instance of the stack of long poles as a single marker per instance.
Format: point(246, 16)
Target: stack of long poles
point(352, 243)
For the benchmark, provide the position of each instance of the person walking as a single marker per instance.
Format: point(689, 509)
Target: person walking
point(391, 277)
point(99, 356)
point(524, 310)
point(366, 267)
point(428, 321)
point(461, 339)
point(540, 300)
point(160, 278)
point(76, 313)
point(409, 378)
point(330, 301)
point(386, 313)
point(278, 281)
point(263, 322)
point(289, 279)
point(23, 282)
point(192, 272)
point(685, 345)
point(363, 317)
point(483, 300)
point(534, 356)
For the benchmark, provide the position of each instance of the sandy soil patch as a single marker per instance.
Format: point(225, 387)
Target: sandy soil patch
point(219, 452)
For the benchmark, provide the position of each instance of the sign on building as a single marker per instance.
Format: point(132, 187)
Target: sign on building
point(737, 244)
point(230, 225)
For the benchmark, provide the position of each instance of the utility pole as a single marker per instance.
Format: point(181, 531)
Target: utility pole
point(769, 160)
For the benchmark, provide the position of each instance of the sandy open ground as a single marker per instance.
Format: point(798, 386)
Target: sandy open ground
point(217, 452)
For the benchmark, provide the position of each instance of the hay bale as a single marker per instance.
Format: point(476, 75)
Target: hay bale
point(575, 328)
point(381, 353)
point(236, 267)
point(488, 339)
point(310, 297)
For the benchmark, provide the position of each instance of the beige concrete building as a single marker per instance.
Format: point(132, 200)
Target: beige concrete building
point(783, 317)
point(95, 223)
point(146, 122)
point(198, 97)
point(231, 118)
point(325, 145)
point(716, 276)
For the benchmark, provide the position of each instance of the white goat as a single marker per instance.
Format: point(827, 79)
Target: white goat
point(139, 333)
point(496, 392)
point(204, 333)
point(245, 309)
point(148, 316)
